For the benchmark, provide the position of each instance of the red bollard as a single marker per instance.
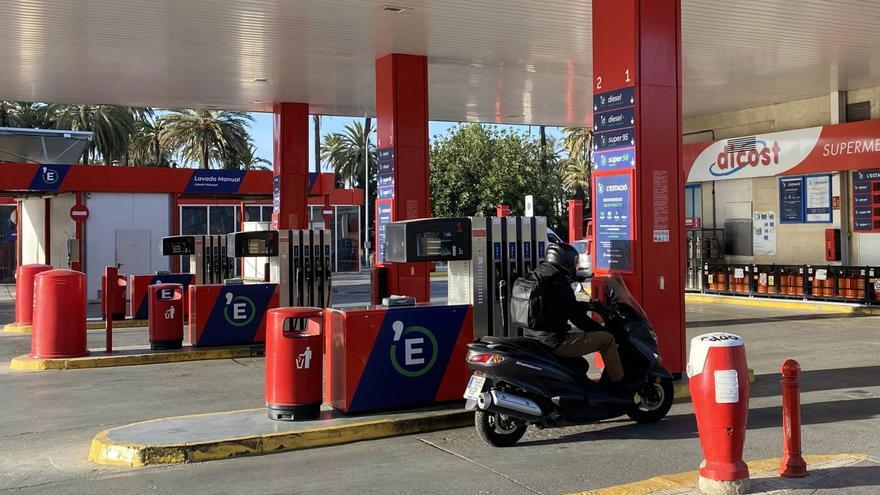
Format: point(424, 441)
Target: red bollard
point(59, 315)
point(792, 464)
point(108, 288)
point(719, 386)
point(24, 296)
point(294, 363)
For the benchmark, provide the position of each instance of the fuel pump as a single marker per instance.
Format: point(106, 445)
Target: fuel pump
point(208, 259)
point(299, 262)
point(485, 256)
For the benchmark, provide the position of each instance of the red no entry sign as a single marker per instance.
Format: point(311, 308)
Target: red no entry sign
point(79, 213)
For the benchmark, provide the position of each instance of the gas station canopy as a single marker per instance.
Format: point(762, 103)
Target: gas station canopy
point(510, 61)
point(42, 145)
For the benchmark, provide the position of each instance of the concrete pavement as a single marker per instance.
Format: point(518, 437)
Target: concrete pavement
point(48, 420)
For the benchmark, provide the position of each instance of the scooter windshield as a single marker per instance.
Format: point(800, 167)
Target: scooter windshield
point(617, 292)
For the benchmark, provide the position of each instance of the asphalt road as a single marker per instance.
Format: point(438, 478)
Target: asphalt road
point(49, 418)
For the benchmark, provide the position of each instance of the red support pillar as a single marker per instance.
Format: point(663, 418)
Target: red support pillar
point(575, 220)
point(638, 210)
point(403, 191)
point(291, 166)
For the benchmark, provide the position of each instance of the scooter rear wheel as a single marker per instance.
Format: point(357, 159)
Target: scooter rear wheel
point(497, 431)
point(655, 403)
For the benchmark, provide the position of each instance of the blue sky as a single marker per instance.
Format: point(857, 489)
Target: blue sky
point(261, 131)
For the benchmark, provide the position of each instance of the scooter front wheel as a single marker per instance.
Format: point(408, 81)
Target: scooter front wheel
point(498, 430)
point(655, 404)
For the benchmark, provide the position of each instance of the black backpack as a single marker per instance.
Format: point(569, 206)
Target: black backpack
point(527, 302)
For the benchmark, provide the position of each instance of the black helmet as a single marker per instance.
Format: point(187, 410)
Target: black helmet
point(564, 258)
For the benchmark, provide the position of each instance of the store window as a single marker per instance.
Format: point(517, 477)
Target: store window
point(222, 219)
point(346, 232)
point(193, 220)
point(7, 244)
point(693, 203)
point(257, 213)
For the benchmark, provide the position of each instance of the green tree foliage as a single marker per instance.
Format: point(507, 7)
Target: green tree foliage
point(577, 169)
point(248, 160)
point(475, 168)
point(207, 137)
point(345, 153)
point(112, 127)
point(146, 147)
point(23, 114)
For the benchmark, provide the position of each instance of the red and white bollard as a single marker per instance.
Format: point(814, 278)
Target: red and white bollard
point(719, 386)
point(792, 464)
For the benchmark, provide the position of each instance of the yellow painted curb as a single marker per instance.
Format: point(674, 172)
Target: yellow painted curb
point(104, 451)
point(16, 328)
point(756, 302)
point(100, 325)
point(27, 364)
point(689, 478)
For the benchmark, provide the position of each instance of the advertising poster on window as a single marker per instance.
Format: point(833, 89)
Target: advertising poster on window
point(818, 199)
point(764, 233)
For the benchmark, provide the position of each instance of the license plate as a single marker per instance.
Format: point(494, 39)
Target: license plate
point(474, 387)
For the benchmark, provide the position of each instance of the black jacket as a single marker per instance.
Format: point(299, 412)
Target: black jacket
point(560, 308)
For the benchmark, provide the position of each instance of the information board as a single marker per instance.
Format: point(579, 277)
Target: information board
point(866, 200)
point(384, 198)
point(818, 199)
point(791, 200)
point(614, 222)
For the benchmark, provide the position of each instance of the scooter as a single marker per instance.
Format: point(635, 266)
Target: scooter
point(518, 382)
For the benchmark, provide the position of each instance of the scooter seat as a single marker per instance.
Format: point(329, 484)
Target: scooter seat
point(522, 344)
point(525, 345)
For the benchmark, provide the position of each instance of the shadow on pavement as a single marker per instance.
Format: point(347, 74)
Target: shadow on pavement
point(684, 426)
point(866, 474)
point(735, 321)
point(819, 380)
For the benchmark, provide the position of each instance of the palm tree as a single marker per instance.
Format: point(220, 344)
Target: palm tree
point(345, 152)
point(577, 169)
point(112, 127)
point(29, 115)
point(248, 159)
point(146, 147)
point(207, 137)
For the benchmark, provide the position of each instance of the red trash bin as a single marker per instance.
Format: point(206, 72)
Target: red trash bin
point(294, 363)
point(719, 386)
point(165, 316)
point(24, 292)
point(59, 315)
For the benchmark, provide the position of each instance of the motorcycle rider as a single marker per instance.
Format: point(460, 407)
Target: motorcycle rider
point(560, 307)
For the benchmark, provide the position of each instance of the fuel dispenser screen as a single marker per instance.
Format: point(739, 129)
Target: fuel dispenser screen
point(430, 239)
point(178, 245)
point(436, 244)
point(253, 244)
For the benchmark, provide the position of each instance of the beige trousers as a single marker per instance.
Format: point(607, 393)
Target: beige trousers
point(585, 343)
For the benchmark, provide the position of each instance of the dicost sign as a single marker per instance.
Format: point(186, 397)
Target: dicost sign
point(852, 146)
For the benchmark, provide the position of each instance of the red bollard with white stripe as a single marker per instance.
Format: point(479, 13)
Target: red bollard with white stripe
point(719, 386)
